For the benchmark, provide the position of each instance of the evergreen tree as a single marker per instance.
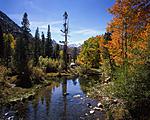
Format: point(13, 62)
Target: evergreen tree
point(56, 51)
point(74, 53)
point(22, 50)
point(7, 49)
point(36, 46)
point(18, 56)
point(1, 44)
point(25, 23)
point(48, 45)
point(43, 45)
point(106, 54)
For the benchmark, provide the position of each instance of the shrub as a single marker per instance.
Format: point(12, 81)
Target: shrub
point(51, 65)
point(4, 72)
point(37, 75)
point(84, 69)
point(135, 86)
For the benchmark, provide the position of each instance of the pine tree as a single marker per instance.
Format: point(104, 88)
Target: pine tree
point(36, 46)
point(74, 54)
point(7, 49)
point(25, 23)
point(43, 45)
point(48, 45)
point(18, 57)
point(56, 51)
point(22, 50)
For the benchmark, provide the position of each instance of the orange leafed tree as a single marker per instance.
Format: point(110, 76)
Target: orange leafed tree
point(130, 30)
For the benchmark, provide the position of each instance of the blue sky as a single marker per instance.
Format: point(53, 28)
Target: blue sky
point(86, 17)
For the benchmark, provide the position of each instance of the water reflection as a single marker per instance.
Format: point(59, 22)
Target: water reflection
point(64, 93)
point(87, 84)
point(74, 80)
point(57, 102)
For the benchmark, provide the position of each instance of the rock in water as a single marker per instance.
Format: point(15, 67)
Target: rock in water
point(97, 108)
point(92, 111)
point(100, 105)
point(82, 118)
point(65, 94)
point(11, 118)
point(10, 115)
point(86, 114)
point(6, 114)
point(77, 96)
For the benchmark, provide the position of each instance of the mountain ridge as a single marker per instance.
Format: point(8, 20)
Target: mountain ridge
point(9, 26)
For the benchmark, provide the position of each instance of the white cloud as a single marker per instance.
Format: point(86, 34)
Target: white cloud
point(87, 32)
point(77, 42)
point(43, 26)
point(33, 6)
point(80, 35)
point(40, 23)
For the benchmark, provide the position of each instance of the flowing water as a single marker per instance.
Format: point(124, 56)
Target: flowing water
point(65, 99)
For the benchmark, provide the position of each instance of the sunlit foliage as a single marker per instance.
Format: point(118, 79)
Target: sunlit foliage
point(89, 54)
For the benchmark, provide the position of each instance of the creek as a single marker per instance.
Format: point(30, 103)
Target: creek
point(64, 99)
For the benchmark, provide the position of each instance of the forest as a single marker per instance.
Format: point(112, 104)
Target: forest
point(120, 57)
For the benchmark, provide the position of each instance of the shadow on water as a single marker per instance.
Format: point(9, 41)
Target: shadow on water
point(87, 84)
point(65, 99)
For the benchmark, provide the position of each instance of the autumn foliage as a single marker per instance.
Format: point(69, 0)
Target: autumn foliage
point(130, 30)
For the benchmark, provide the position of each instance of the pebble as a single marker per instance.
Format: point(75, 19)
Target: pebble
point(100, 105)
point(105, 83)
point(115, 101)
point(86, 114)
point(92, 111)
point(81, 98)
point(107, 98)
point(10, 113)
point(10, 118)
point(6, 114)
point(77, 96)
point(82, 118)
point(97, 108)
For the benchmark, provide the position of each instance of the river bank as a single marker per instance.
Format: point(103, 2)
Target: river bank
point(115, 107)
point(118, 108)
point(11, 93)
